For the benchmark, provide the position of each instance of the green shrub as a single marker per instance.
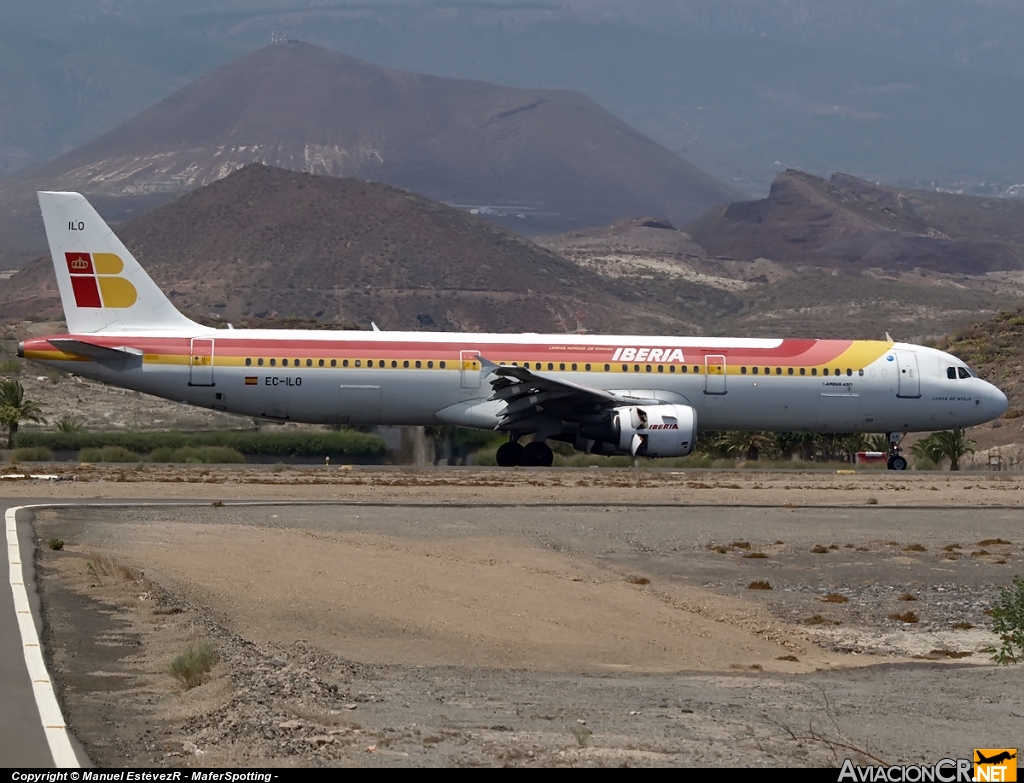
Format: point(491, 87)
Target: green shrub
point(34, 454)
point(191, 665)
point(345, 444)
point(1008, 622)
point(10, 367)
point(108, 454)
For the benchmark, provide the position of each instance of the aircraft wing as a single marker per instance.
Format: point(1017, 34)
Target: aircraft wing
point(527, 394)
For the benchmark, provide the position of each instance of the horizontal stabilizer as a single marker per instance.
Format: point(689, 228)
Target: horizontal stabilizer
point(98, 353)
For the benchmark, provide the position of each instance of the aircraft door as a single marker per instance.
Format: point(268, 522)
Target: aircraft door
point(714, 375)
point(910, 378)
point(201, 362)
point(470, 363)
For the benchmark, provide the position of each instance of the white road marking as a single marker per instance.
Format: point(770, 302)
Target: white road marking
point(49, 711)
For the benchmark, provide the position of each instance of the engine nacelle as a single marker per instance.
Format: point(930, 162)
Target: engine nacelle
point(656, 430)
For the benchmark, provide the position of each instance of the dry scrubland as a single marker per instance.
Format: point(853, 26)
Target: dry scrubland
point(469, 617)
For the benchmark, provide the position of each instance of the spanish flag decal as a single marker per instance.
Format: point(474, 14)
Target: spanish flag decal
point(251, 380)
point(96, 280)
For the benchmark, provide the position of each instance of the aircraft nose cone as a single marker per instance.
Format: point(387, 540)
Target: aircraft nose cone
point(999, 402)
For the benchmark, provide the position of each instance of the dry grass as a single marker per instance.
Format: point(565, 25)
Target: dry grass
point(962, 626)
point(761, 584)
point(834, 598)
point(994, 542)
point(915, 548)
point(755, 555)
point(639, 580)
point(821, 550)
point(907, 597)
point(906, 617)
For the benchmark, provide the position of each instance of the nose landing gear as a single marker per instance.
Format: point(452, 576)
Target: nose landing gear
point(896, 460)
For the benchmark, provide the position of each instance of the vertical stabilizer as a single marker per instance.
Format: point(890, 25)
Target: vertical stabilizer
point(102, 286)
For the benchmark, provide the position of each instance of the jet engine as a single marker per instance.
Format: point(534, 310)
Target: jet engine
point(645, 431)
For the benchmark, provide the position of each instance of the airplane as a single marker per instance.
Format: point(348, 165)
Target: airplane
point(996, 759)
point(629, 395)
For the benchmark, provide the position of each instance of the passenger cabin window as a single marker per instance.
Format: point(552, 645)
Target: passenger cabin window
point(320, 363)
point(273, 362)
point(790, 370)
point(248, 362)
point(334, 362)
point(803, 371)
point(441, 365)
point(814, 371)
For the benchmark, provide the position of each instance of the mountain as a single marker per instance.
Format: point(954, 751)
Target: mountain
point(845, 222)
point(271, 245)
point(535, 160)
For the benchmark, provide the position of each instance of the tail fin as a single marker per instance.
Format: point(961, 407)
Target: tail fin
point(102, 287)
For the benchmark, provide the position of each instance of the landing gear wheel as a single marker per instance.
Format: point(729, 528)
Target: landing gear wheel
point(895, 461)
point(538, 455)
point(510, 454)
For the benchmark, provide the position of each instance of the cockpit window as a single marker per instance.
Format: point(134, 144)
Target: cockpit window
point(951, 373)
point(966, 373)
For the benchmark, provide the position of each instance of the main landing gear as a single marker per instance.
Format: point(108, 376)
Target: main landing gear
point(533, 455)
point(896, 461)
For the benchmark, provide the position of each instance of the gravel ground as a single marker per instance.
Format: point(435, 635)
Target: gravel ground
point(533, 617)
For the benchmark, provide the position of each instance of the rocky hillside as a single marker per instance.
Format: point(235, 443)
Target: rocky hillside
point(845, 222)
point(535, 160)
point(269, 244)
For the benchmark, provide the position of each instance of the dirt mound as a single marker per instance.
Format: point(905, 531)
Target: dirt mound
point(847, 222)
point(539, 160)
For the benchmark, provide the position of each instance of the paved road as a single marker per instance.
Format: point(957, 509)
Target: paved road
point(22, 739)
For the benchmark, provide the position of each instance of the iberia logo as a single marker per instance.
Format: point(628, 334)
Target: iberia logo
point(97, 282)
point(995, 764)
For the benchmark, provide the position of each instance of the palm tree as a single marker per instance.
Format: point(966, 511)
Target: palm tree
point(939, 445)
point(953, 444)
point(14, 408)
